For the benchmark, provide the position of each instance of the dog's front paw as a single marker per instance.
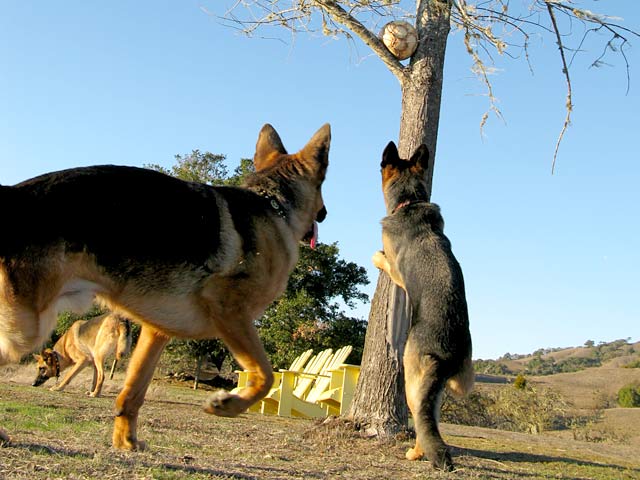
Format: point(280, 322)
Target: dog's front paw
point(223, 404)
point(129, 444)
point(414, 454)
point(124, 435)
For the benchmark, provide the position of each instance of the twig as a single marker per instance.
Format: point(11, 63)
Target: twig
point(565, 70)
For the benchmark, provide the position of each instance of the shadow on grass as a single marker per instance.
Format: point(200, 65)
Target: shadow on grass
point(255, 471)
point(47, 450)
point(533, 458)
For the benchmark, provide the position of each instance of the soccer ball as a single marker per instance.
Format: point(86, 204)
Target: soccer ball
point(400, 38)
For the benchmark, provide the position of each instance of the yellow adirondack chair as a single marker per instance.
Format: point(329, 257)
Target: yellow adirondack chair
point(296, 366)
point(293, 402)
point(292, 381)
point(340, 393)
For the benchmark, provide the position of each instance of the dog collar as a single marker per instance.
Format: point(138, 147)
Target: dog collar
point(273, 202)
point(56, 362)
point(406, 203)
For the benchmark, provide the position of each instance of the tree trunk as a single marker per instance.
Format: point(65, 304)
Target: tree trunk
point(379, 403)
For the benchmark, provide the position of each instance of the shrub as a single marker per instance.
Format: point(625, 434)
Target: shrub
point(472, 410)
point(520, 382)
point(529, 410)
point(629, 396)
point(633, 364)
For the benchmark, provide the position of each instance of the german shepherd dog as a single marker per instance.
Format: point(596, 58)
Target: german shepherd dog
point(87, 342)
point(418, 258)
point(180, 258)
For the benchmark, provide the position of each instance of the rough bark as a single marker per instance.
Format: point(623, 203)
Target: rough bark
point(379, 403)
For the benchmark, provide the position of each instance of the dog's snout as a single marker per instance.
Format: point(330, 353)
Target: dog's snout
point(322, 214)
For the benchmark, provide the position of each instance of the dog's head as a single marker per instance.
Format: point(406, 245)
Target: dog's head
point(404, 180)
point(309, 164)
point(48, 366)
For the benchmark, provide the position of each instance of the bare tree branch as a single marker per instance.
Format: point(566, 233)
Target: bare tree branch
point(488, 26)
point(343, 17)
point(565, 70)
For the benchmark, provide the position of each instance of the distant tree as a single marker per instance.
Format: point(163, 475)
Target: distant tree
point(197, 166)
point(589, 343)
point(308, 315)
point(491, 367)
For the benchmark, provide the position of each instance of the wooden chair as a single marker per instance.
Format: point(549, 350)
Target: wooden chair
point(296, 366)
point(299, 392)
point(292, 382)
point(341, 389)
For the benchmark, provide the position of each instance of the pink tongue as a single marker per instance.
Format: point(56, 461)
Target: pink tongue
point(314, 238)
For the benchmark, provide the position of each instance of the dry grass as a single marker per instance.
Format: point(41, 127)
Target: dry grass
point(591, 388)
point(67, 435)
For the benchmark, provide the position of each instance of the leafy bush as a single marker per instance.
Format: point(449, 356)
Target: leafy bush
point(629, 396)
point(66, 319)
point(520, 383)
point(633, 364)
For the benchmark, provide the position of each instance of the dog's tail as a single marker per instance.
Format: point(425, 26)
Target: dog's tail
point(124, 338)
point(462, 382)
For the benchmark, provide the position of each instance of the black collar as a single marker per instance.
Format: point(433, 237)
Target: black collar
point(56, 361)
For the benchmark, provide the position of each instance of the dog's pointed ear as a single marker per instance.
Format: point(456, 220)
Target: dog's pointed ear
point(268, 147)
point(421, 157)
point(390, 155)
point(317, 149)
point(37, 357)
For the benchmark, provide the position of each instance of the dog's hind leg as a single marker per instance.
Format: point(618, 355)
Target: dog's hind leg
point(94, 379)
point(98, 376)
point(105, 344)
point(424, 389)
point(139, 374)
point(247, 349)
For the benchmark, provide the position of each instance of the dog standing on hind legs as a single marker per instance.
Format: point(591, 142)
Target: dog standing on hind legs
point(195, 261)
point(87, 342)
point(418, 258)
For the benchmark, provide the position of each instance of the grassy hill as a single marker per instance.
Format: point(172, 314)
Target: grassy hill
point(563, 360)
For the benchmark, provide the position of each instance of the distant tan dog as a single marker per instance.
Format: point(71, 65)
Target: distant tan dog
point(87, 342)
point(417, 256)
point(182, 259)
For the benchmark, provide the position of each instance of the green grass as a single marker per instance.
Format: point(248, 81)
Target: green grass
point(47, 418)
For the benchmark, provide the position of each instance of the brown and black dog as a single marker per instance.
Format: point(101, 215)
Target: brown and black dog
point(87, 342)
point(180, 258)
point(418, 258)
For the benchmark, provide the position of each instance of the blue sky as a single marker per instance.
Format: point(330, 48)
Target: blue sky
point(549, 260)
